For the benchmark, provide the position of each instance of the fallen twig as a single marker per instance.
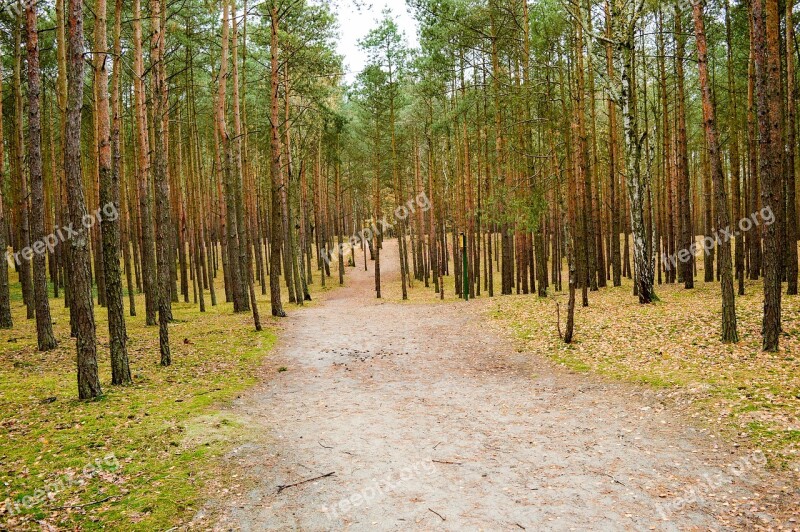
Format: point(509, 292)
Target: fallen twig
point(323, 446)
point(437, 513)
point(445, 462)
point(101, 501)
point(287, 486)
point(615, 480)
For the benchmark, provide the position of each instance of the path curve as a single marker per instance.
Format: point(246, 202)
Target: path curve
point(431, 420)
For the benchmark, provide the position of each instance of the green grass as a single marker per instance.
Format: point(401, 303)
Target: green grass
point(166, 431)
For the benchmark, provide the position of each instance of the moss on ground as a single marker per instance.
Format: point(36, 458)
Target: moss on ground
point(165, 431)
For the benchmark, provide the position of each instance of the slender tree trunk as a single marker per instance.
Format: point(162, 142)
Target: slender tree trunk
point(6, 321)
point(18, 175)
point(110, 169)
point(767, 76)
point(44, 323)
point(736, 172)
point(708, 223)
point(161, 181)
point(82, 308)
point(791, 147)
point(236, 274)
point(276, 152)
point(568, 225)
point(143, 179)
point(729, 332)
point(613, 162)
point(682, 151)
point(244, 262)
point(503, 172)
point(378, 209)
point(754, 237)
point(637, 183)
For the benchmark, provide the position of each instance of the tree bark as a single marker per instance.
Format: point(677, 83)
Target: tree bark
point(637, 183)
point(6, 322)
point(791, 147)
point(276, 167)
point(769, 166)
point(729, 332)
point(682, 151)
point(82, 308)
point(161, 181)
point(18, 175)
point(143, 179)
point(44, 323)
point(110, 168)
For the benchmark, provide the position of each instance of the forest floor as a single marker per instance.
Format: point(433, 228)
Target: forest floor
point(139, 457)
point(382, 415)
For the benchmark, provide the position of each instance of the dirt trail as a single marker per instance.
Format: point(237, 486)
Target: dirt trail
point(432, 421)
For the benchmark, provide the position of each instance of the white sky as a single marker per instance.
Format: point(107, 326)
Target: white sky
point(357, 18)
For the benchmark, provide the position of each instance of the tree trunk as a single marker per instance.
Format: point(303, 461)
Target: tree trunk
point(613, 162)
point(791, 147)
point(161, 181)
point(18, 175)
point(110, 168)
point(6, 321)
point(637, 183)
point(682, 151)
point(753, 237)
point(767, 75)
point(729, 333)
point(245, 265)
point(276, 154)
point(237, 290)
point(143, 178)
point(44, 323)
point(736, 172)
point(82, 309)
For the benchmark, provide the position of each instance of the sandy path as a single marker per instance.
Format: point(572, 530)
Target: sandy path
point(431, 421)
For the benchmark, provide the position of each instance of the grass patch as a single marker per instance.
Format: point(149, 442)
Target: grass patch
point(164, 432)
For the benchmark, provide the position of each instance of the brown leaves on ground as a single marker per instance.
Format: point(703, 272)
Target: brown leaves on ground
point(675, 345)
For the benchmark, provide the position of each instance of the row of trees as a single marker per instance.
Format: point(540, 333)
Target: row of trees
point(159, 168)
point(218, 140)
point(606, 133)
